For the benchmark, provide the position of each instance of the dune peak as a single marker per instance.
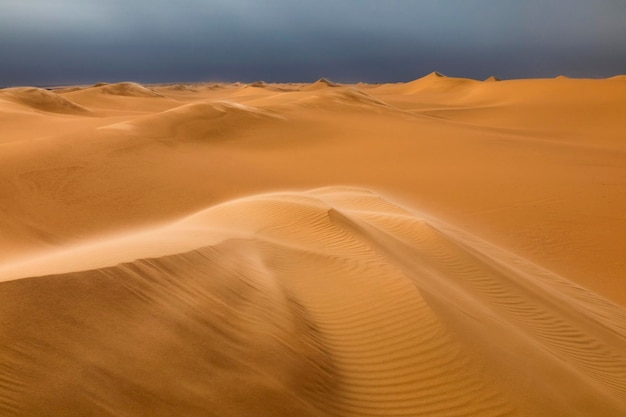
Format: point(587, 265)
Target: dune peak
point(436, 83)
point(320, 84)
point(327, 82)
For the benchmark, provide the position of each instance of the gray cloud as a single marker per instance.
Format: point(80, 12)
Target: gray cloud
point(68, 41)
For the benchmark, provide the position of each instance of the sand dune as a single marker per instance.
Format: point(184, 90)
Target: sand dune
point(320, 84)
point(179, 87)
point(371, 309)
point(443, 247)
point(257, 84)
point(195, 121)
point(44, 100)
point(126, 89)
point(437, 83)
point(342, 98)
point(121, 96)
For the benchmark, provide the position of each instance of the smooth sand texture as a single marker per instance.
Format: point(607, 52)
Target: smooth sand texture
point(444, 247)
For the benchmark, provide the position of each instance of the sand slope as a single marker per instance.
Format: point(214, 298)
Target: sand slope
point(330, 302)
point(160, 255)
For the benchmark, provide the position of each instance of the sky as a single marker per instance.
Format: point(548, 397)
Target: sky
point(60, 42)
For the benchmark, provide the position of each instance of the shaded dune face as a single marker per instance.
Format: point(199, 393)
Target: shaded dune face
point(334, 301)
point(200, 333)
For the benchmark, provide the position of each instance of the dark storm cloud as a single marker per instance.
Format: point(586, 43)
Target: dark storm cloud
point(83, 41)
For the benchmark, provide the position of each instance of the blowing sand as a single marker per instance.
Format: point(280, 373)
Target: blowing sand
point(443, 247)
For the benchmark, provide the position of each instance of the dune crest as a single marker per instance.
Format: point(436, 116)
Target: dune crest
point(435, 74)
point(437, 83)
point(320, 84)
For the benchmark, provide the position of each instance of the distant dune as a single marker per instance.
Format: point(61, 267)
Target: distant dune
point(44, 100)
point(437, 83)
point(342, 98)
point(320, 84)
point(127, 89)
point(196, 121)
point(442, 247)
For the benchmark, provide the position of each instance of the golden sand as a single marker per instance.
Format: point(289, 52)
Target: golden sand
point(443, 247)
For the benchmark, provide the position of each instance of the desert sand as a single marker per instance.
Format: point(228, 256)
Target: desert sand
point(442, 247)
